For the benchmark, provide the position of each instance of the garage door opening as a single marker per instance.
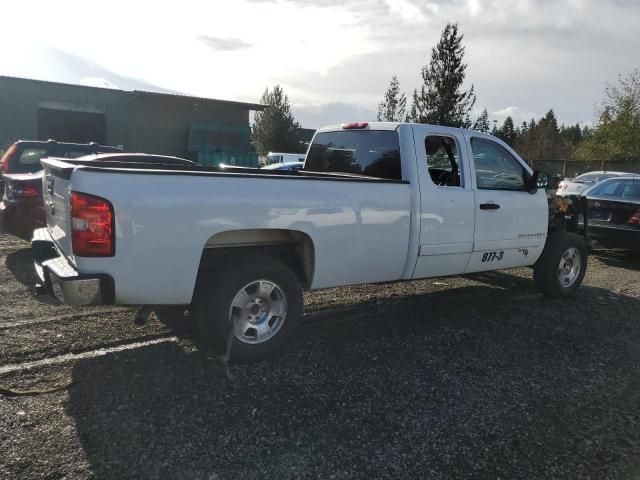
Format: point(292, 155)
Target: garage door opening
point(71, 126)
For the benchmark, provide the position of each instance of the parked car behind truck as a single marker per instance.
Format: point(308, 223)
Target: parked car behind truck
point(21, 208)
point(374, 203)
point(614, 212)
point(579, 184)
point(279, 157)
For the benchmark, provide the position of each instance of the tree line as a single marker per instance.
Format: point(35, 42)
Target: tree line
point(441, 99)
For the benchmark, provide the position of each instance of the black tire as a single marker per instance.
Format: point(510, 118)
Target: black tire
point(547, 271)
point(215, 296)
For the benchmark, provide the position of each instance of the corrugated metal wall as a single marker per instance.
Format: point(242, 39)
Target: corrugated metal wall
point(19, 101)
point(140, 121)
point(161, 124)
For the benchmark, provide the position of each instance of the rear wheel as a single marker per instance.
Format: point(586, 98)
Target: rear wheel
point(561, 268)
point(258, 297)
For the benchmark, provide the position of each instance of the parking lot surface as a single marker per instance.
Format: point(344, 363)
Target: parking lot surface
point(476, 377)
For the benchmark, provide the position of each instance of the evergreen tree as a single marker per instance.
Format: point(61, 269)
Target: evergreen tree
point(482, 123)
point(507, 132)
point(393, 106)
point(275, 129)
point(413, 113)
point(441, 99)
point(550, 144)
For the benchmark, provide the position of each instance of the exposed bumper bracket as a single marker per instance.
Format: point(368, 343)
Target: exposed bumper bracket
point(62, 281)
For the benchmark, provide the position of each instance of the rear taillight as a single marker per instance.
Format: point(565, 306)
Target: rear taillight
point(6, 157)
point(14, 191)
point(635, 218)
point(92, 226)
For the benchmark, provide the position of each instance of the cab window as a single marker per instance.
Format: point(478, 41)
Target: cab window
point(374, 153)
point(496, 168)
point(443, 160)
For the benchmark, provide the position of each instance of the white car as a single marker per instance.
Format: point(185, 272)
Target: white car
point(279, 157)
point(288, 166)
point(375, 202)
point(577, 185)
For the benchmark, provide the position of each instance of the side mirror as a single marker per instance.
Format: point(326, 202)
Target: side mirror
point(539, 179)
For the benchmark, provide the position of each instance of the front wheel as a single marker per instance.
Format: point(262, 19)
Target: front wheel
point(256, 296)
point(561, 268)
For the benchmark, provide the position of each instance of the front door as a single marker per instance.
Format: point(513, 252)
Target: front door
point(511, 223)
point(446, 202)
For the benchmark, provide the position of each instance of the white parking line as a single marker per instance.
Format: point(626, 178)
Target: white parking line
point(69, 357)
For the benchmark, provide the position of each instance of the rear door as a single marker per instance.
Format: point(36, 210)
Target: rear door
point(447, 213)
point(511, 223)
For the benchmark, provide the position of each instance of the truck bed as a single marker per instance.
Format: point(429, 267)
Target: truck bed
point(167, 216)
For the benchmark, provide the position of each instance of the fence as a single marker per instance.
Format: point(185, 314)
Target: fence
point(571, 168)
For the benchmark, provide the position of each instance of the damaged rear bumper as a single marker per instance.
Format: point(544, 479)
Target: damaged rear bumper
point(62, 281)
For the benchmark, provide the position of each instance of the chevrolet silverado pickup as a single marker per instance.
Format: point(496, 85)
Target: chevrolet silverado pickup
point(374, 202)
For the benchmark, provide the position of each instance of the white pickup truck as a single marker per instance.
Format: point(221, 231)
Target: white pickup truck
point(374, 202)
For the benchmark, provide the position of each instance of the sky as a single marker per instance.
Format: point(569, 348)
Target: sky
point(333, 58)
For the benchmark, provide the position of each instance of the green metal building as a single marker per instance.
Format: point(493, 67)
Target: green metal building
point(203, 129)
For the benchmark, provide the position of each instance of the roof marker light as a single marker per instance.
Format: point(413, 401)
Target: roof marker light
point(354, 125)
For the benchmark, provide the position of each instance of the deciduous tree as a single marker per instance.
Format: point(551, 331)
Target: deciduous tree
point(616, 135)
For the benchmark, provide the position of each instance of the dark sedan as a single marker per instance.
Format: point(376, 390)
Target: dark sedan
point(614, 212)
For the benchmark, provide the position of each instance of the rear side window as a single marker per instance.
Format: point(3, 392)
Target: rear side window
point(631, 190)
point(443, 160)
point(374, 153)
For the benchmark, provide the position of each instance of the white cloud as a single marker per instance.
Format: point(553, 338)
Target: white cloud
point(536, 54)
point(407, 10)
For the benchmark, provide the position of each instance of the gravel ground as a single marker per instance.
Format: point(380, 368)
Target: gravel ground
point(476, 377)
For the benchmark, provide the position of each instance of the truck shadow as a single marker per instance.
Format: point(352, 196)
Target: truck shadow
point(472, 380)
point(619, 258)
point(20, 264)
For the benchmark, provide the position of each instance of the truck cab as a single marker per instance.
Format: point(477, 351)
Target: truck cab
point(474, 206)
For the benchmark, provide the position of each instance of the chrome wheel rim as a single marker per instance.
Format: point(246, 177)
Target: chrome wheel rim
point(569, 267)
point(258, 311)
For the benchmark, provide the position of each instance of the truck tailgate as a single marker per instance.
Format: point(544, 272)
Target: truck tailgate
point(56, 194)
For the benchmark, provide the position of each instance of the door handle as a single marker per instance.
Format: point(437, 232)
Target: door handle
point(489, 206)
